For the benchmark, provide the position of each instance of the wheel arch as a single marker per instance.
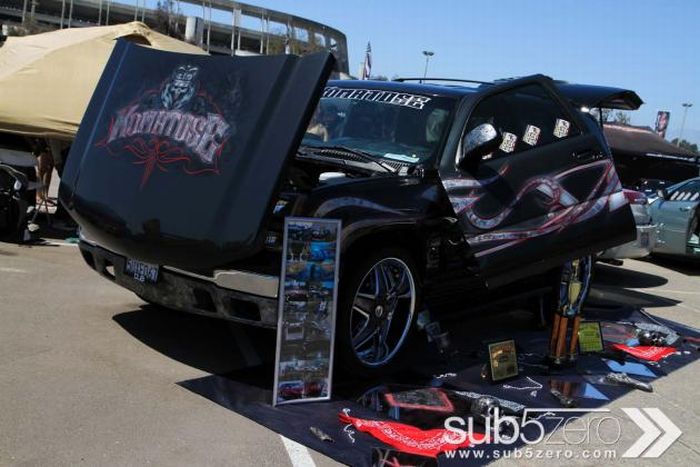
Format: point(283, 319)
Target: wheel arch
point(405, 235)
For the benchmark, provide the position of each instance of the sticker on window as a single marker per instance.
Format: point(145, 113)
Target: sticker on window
point(412, 101)
point(561, 128)
point(402, 157)
point(508, 143)
point(532, 135)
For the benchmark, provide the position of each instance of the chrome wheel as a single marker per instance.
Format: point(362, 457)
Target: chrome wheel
point(575, 284)
point(382, 311)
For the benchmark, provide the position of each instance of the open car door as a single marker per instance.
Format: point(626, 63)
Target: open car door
point(585, 95)
point(178, 157)
point(547, 194)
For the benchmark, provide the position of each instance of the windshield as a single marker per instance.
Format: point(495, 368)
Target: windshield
point(388, 125)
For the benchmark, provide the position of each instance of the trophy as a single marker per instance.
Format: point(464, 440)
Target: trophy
point(568, 310)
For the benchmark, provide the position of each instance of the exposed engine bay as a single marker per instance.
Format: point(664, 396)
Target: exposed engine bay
point(309, 171)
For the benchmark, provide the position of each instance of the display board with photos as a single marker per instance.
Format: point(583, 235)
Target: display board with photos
point(307, 304)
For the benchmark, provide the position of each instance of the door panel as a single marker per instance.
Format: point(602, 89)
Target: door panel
point(537, 198)
point(674, 216)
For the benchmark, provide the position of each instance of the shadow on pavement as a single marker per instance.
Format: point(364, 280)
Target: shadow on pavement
point(208, 344)
point(623, 277)
point(689, 267)
point(7, 253)
point(613, 294)
point(613, 285)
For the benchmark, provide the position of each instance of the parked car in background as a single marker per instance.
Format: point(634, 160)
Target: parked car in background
point(646, 231)
point(676, 211)
point(17, 187)
point(650, 186)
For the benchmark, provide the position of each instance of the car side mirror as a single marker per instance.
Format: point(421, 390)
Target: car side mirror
point(480, 140)
point(662, 193)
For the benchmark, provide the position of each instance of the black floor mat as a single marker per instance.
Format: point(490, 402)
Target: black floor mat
point(248, 392)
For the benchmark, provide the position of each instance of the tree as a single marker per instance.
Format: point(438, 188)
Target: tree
point(602, 114)
point(168, 18)
point(277, 41)
point(622, 117)
point(686, 145)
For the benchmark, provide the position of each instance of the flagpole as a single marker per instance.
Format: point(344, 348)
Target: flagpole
point(367, 65)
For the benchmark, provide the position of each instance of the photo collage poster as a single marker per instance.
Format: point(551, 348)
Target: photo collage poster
point(307, 304)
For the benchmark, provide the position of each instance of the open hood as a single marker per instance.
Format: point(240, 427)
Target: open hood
point(178, 157)
point(584, 95)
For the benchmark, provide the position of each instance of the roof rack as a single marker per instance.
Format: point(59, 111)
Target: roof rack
point(449, 80)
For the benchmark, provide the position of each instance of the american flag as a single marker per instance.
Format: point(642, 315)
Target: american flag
point(367, 66)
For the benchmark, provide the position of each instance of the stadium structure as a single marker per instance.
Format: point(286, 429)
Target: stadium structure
point(222, 27)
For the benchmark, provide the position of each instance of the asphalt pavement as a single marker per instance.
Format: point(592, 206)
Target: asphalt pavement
point(88, 372)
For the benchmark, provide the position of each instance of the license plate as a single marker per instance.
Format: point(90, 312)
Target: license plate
point(142, 272)
point(644, 240)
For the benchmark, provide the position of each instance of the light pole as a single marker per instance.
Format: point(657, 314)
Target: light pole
point(686, 106)
point(428, 54)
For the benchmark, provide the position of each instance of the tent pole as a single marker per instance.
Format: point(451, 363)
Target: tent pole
point(70, 14)
point(233, 30)
point(209, 28)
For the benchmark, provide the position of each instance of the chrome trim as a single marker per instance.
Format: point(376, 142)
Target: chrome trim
point(240, 281)
point(83, 238)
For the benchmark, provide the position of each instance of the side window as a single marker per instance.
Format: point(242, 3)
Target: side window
point(526, 117)
point(687, 192)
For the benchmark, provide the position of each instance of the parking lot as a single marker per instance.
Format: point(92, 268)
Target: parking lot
point(88, 373)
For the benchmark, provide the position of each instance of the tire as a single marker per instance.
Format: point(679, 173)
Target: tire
point(559, 279)
point(375, 326)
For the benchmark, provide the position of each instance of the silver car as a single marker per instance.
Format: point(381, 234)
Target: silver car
point(646, 231)
point(676, 213)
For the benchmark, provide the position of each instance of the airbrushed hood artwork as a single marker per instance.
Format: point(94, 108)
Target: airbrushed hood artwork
point(178, 157)
point(177, 123)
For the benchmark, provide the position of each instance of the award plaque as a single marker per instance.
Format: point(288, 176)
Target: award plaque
point(503, 360)
point(590, 337)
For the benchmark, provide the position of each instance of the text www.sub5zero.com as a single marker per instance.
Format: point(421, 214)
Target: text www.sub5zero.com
point(607, 454)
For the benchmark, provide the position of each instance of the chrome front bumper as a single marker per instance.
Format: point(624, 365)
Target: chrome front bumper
point(638, 248)
point(240, 296)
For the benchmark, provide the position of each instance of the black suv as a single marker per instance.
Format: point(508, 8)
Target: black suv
point(181, 181)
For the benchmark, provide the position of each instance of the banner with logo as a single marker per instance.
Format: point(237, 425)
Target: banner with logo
point(662, 118)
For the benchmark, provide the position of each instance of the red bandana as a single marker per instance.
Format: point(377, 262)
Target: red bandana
point(408, 438)
point(651, 353)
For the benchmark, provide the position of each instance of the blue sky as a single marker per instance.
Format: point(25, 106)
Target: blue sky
point(652, 47)
point(649, 46)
